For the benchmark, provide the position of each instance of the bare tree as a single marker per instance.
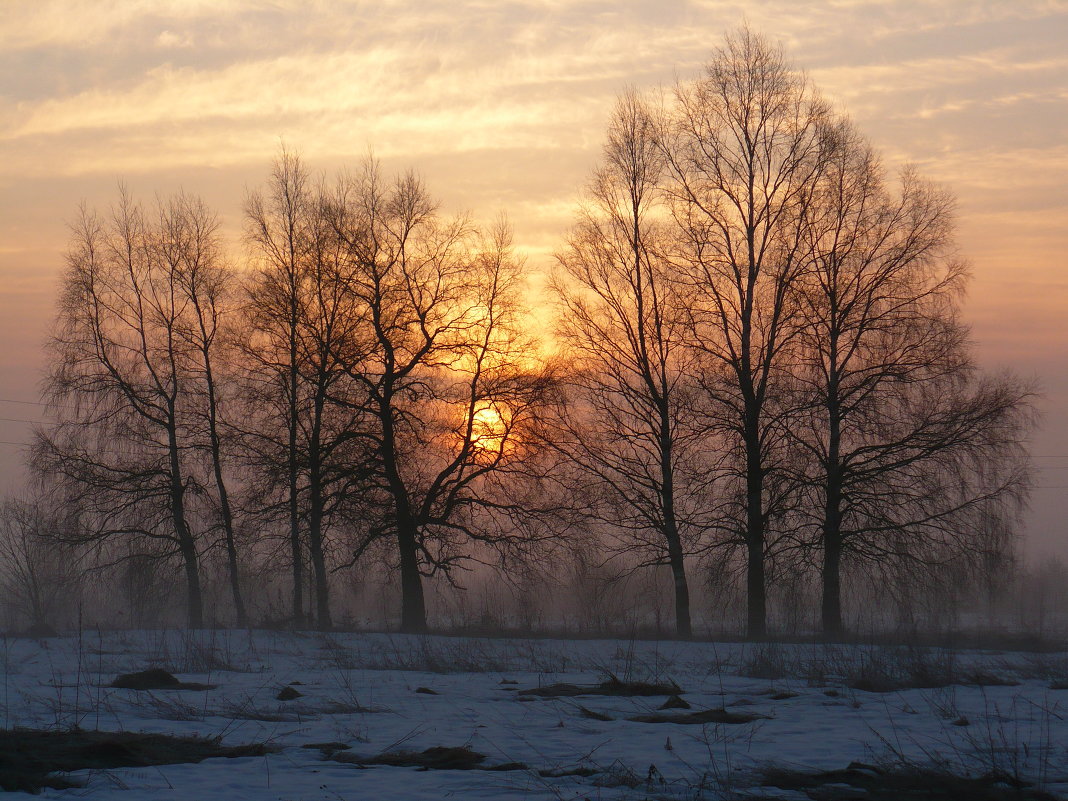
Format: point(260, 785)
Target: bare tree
point(191, 248)
point(630, 426)
point(909, 449)
point(38, 573)
point(119, 387)
point(303, 322)
point(448, 379)
point(745, 146)
point(277, 230)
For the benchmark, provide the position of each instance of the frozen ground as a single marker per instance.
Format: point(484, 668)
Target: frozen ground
point(807, 703)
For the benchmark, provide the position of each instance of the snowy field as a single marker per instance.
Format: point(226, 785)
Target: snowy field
point(752, 708)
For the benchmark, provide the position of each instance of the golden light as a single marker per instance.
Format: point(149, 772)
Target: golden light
point(489, 428)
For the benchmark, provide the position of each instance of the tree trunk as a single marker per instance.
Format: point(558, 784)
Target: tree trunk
point(413, 606)
point(315, 541)
point(831, 603)
point(756, 597)
point(186, 546)
point(831, 608)
point(224, 496)
point(683, 628)
point(295, 547)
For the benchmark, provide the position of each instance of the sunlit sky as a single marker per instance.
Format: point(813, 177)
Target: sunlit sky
point(502, 107)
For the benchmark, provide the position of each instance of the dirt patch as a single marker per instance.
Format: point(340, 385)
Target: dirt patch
point(156, 679)
point(981, 678)
point(611, 686)
point(589, 714)
point(436, 758)
point(873, 784)
point(29, 759)
point(328, 749)
point(288, 694)
point(697, 718)
point(675, 702)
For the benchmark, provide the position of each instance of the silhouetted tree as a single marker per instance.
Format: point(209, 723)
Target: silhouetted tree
point(911, 450)
point(278, 223)
point(190, 245)
point(745, 147)
point(120, 387)
point(39, 573)
point(630, 427)
point(446, 371)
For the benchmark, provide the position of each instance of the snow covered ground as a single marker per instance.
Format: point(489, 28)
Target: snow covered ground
point(795, 706)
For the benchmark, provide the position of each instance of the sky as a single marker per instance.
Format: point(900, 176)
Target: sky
point(501, 106)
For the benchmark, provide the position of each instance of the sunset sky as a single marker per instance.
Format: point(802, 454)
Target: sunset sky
point(502, 107)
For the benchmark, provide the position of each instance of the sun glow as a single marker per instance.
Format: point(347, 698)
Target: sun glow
point(489, 428)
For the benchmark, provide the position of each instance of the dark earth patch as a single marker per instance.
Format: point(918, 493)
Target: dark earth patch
point(29, 759)
point(675, 702)
point(611, 686)
point(695, 718)
point(436, 758)
point(905, 784)
point(155, 679)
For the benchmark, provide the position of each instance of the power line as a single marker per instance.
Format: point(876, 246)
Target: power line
point(28, 403)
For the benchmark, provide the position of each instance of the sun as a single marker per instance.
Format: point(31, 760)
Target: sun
point(489, 428)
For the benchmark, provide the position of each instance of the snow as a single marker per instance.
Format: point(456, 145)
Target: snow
point(360, 689)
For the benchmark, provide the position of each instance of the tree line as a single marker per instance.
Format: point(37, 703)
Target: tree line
point(759, 367)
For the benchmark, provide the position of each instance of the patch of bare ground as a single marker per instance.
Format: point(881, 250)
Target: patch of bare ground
point(156, 679)
point(31, 760)
point(698, 718)
point(611, 686)
point(435, 758)
point(859, 781)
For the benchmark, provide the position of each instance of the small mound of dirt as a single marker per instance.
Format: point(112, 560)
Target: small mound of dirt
point(328, 749)
point(426, 691)
point(982, 679)
point(155, 679)
point(611, 686)
point(675, 702)
point(697, 718)
point(589, 714)
point(436, 758)
point(30, 758)
point(288, 694)
point(632, 689)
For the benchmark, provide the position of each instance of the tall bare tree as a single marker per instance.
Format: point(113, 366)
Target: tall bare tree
point(278, 223)
point(745, 146)
point(446, 372)
point(119, 387)
point(910, 449)
point(189, 243)
point(630, 427)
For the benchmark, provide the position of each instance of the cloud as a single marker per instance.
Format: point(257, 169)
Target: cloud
point(169, 39)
